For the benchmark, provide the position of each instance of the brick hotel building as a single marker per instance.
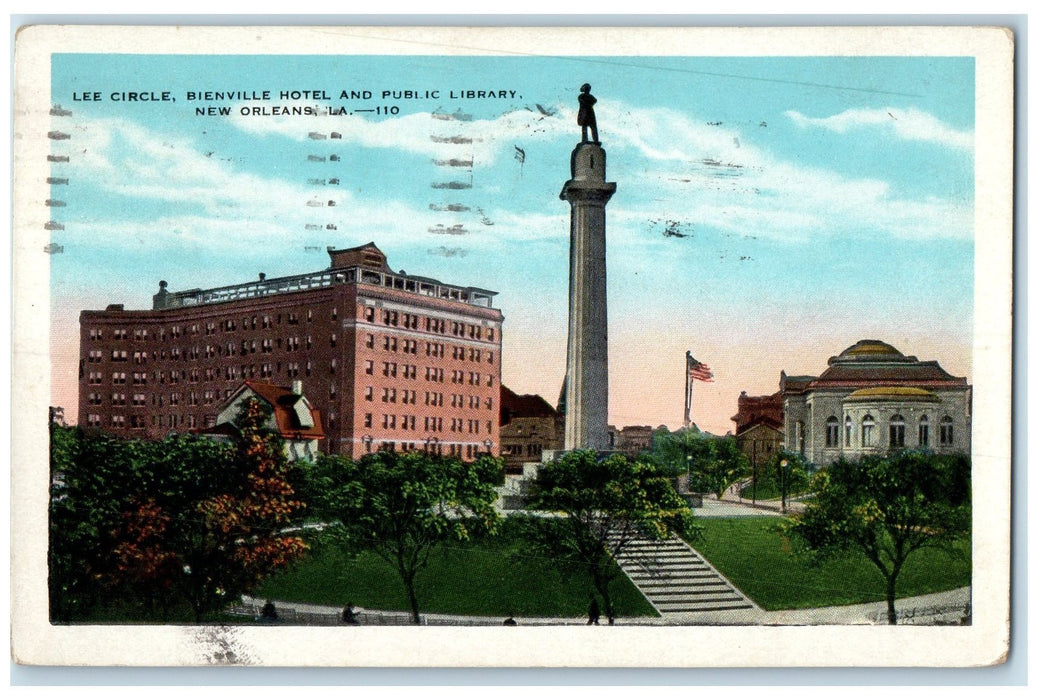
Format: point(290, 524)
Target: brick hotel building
point(391, 360)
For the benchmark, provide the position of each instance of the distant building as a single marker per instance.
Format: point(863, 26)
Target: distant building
point(529, 425)
point(391, 360)
point(872, 399)
point(632, 440)
point(759, 427)
point(291, 414)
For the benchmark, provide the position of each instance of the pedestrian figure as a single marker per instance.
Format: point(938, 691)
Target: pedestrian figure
point(592, 611)
point(349, 616)
point(586, 114)
point(269, 613)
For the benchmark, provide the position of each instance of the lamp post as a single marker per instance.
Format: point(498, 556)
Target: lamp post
point(782, 482)
point(754, 495)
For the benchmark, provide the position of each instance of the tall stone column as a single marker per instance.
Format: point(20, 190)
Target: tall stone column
point(587, 360)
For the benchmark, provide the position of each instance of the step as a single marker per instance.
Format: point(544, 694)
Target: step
point(684, 557)
point(702, 609)
point(662, 571)
point(683, 583)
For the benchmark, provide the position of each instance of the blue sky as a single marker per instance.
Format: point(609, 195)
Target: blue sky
point(770, 211)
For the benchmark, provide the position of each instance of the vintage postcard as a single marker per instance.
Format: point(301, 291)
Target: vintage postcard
point(583, 347)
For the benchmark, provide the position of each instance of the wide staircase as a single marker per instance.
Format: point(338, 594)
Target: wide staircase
point(677, 580)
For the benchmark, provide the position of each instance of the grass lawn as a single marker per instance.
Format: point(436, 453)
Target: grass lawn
point(756, 559)
point(498, 576)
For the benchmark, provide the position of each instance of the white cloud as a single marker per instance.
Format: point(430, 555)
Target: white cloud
point(907, 124)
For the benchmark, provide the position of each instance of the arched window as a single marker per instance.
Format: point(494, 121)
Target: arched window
point(847, 431)
point(868, 426)
point(947, 433)
point(897, 430)
point(924, 431)
point(832, 432)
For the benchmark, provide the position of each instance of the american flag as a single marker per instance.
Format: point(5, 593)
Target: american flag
point(697, 370)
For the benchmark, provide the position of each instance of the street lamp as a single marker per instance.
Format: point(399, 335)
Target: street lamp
point(782, 482)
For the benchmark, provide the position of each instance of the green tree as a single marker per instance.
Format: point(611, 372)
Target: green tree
point(712, 463)
point(403, 506)
point(607, 504)
point(887, 507)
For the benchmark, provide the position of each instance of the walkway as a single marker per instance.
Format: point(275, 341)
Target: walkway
point(947, 608)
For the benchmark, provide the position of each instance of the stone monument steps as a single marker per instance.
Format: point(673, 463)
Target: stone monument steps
point(675, 579)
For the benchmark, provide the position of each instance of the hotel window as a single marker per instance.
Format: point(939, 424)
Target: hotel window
point(266, 322)
point(369, 393)
point(118, 421)
point(95, 334)
point(119, 356)
point(369, 366)
point(95, 399)
point(118, 377)
point(118, 399)
point(369, 314)
point(139, 399)
point(924, 431)
point(897, 431)
point(847, 431)
point(868, 426)
point(367, 420)
point(93, 420)
point(95, 356)
point(333, 340)
point(120, 334)
point(370, 343)
point(947, 432)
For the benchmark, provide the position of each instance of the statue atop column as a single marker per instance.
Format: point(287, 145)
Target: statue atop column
point(586, 114)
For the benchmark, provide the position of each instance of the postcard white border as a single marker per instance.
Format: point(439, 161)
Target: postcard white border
point(35, 641)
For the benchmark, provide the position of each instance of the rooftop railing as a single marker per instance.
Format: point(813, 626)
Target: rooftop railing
point(263, 287)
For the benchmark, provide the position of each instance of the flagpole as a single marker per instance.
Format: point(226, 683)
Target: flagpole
point(688, 389)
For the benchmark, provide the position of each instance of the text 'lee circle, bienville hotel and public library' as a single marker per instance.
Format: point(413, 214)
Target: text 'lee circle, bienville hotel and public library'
point(358, 358)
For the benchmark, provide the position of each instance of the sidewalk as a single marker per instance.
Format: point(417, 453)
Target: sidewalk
point(947, 607)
